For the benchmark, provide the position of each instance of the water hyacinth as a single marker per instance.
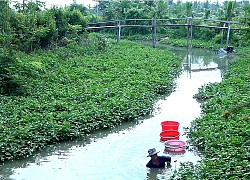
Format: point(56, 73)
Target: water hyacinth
point(70, 92)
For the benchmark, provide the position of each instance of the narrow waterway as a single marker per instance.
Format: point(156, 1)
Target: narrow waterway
point(121, 153)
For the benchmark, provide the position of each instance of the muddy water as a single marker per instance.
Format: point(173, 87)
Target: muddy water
point(120, 153)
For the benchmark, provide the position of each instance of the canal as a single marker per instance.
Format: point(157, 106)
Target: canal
point(121, 153)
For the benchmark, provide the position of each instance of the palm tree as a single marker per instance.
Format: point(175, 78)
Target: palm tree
point(229, 10)
point(189, 9)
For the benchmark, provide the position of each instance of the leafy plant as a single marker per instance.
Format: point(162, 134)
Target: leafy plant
point(73, 91)
point(8, 84)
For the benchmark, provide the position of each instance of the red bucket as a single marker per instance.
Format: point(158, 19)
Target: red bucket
point(170, 125)
point(169, 135)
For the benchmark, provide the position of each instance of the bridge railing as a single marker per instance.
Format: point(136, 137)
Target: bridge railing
point(172, 22)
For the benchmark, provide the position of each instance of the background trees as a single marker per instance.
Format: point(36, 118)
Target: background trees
point(29, 25)
point(125, 9)
point(5, 26)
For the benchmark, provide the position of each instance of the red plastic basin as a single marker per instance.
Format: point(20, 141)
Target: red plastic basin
point(170, 125)
point(169, 135)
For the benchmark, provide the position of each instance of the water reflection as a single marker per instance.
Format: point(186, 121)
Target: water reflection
point(120, 153)
point(161, 173)
point(195, 60)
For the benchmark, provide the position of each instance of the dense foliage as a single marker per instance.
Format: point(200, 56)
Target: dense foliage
point(29, 26)
point(222, 133)
point(228, 10)
point(57, 82)
point(70, 92)
point(195, 43)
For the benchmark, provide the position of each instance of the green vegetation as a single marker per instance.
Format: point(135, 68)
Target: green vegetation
point(227, 11)
point(222, 133)
point(70, 92)
point(28, 26)
point(195, 43)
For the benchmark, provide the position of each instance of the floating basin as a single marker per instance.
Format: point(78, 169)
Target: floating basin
point(174, 145)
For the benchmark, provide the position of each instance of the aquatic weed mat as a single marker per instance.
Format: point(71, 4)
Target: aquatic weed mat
point(71, 92)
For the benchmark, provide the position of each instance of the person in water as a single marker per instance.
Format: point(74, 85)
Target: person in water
point(157, 161)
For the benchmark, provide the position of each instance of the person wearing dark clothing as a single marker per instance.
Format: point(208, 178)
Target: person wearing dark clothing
point(157, 161)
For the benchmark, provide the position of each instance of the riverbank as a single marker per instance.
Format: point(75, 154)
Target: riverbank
point(222, 133)
point(162, 39)
point(195, 43)
point(71, 92)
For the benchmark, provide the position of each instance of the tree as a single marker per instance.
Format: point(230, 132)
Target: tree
point(189, 9)
point(229, 10)
point(207, 13)
point(74, 6)
point(61, 19)
point(5, 27)
point(76, 18)
point(245, 19)
point(161, 9)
